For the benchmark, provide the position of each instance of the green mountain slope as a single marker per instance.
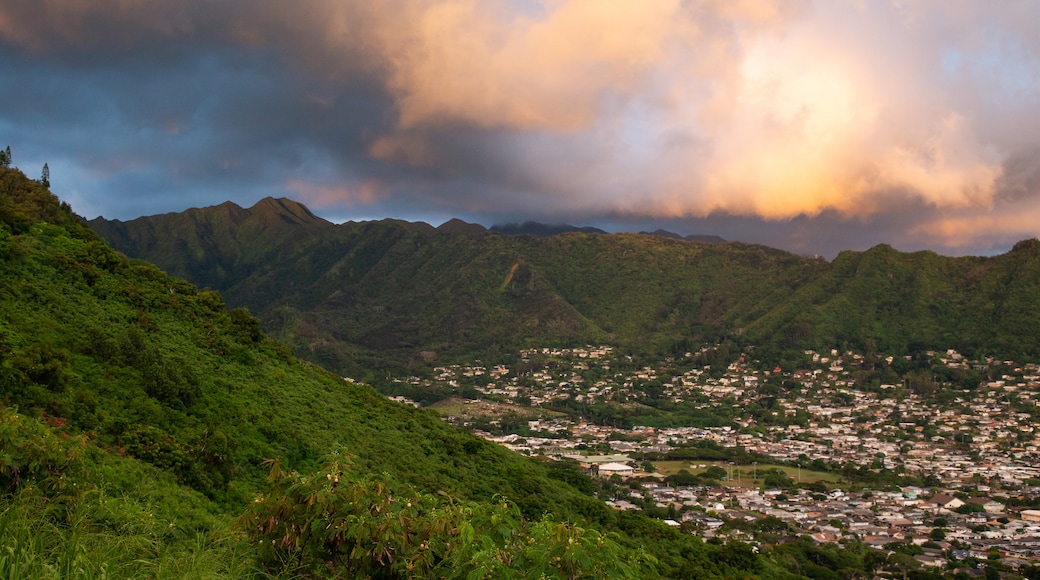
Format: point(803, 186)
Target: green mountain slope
point(894, 302)
point(361, 295)
point(139, 418)
point(215, 244)
point(157, 367)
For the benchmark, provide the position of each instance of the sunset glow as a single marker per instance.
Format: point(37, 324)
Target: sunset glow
point(916, 121)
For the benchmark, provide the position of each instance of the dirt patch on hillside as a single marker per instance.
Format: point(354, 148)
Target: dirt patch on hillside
point(509, 276)
point(469, 409)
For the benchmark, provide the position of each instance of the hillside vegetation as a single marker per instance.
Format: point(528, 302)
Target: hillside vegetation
point(359, 296)
point(145, 431)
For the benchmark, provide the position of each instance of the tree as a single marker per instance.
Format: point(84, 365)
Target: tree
point(714, 472)
point(738, 555)
point(778, 479)
point(683, 478)
point(45, 177)
point(5, 157)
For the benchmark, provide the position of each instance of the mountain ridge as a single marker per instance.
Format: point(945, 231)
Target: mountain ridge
point(213, 242)
point(711, 239)
point(540, 230)
point(381, 292)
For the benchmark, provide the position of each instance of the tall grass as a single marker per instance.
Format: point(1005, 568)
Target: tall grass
point(105, 538)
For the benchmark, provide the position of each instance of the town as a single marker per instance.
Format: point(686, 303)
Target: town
point(938, 465)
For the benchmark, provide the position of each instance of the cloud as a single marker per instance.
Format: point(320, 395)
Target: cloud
point(792, 107)
point(913, 120)
point(323, 194)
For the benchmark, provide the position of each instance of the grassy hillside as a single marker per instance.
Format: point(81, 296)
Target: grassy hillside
point(147, 431)
point(360, 296)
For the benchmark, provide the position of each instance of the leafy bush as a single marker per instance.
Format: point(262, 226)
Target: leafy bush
point(337, 523)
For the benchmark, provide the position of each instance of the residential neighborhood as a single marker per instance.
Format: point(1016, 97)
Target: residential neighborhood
point(944, 471)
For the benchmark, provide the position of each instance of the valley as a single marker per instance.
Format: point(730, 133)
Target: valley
point(846, 448)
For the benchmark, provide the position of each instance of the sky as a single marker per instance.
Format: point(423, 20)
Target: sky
point(809, 125)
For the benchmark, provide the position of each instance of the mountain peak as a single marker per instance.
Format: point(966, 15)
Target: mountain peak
point(704, 238)
point(1030, 244)
point(289, 211)
point(457, 226)
point(663, 234)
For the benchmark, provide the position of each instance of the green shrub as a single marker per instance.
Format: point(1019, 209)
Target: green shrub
point(337, 523)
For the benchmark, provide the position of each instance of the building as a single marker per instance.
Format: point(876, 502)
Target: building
point(1030, 515)
point(608, 469)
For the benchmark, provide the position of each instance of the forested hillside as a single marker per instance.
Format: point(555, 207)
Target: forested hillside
point(359, 296)
point(147, 431)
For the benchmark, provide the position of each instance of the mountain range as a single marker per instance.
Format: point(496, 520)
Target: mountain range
point(363, 295)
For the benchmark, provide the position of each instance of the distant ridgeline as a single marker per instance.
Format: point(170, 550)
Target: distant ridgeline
point(372, 293)
point(145, 431)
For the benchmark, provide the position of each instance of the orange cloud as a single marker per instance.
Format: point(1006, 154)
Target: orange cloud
point(794, 121)
point(965, 227)
point(321, 195)
point(826, 136)
point(403, 148)
point(462, 60)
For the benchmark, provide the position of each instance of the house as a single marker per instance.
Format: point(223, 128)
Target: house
point(1030, 515)
point(944, 501)
point(927, 560)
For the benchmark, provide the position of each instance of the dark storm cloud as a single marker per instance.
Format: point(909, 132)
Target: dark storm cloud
point(143, 116)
